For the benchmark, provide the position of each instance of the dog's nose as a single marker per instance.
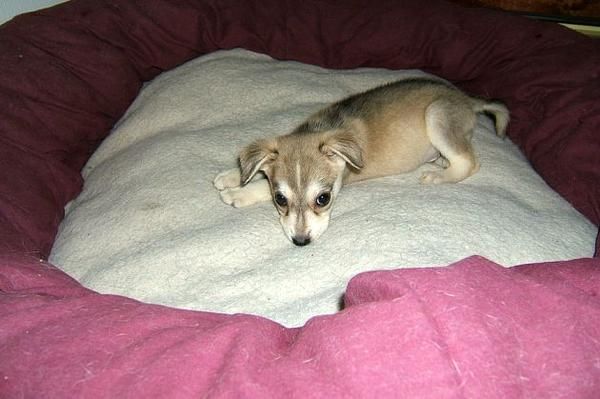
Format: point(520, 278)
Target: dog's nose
point(301, 240)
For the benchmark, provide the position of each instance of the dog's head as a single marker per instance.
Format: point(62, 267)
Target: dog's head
point(305, 173)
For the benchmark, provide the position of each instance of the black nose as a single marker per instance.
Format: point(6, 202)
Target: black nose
point(301, 240)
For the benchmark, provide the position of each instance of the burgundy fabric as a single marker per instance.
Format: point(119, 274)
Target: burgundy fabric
point(471, 330)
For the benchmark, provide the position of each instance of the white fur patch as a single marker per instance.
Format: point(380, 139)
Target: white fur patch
point(313, 190)
point(286, 190)
point(317, 224)
point(288, 223)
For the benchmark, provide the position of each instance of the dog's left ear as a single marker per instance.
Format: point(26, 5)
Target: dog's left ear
point(345, 145)
point(255, 157)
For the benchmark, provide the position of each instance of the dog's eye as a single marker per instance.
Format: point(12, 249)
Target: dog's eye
point(323, 199)
point(280, 199)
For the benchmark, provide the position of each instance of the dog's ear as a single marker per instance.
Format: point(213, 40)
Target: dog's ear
point(257, 156)
point(345, 145)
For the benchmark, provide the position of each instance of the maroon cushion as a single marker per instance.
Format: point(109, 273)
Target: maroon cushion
point(68, 73)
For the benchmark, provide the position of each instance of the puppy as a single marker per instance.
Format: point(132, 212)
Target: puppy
point(391, 129)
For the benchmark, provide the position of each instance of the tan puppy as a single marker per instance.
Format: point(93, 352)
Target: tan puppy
point(391, 129)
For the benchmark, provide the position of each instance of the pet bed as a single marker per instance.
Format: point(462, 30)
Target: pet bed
point(469, 329)
point(148, 211)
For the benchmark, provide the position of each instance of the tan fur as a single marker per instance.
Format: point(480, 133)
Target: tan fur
point(388, 130)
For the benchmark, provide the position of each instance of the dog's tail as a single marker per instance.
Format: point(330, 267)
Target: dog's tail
point(497, 110)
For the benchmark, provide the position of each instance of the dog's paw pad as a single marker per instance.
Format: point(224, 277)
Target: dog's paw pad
point(227, 179)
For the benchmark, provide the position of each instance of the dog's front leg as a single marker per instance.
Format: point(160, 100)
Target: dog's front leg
point(250, 194)
point(228, 179)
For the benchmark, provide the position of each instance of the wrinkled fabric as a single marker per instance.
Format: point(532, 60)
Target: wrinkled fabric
point(473, 329)
point(470, 330)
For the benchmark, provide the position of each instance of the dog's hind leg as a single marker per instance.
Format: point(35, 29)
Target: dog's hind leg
point(449, 127)
point(250, 194)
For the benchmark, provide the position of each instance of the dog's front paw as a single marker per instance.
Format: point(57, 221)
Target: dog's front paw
point(228, 179)
point(236, 197)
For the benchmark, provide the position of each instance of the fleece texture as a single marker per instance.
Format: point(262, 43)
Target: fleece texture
point(150, 225)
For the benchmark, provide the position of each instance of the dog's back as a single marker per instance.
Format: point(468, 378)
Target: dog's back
point(369, 104)
point(390, 123)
